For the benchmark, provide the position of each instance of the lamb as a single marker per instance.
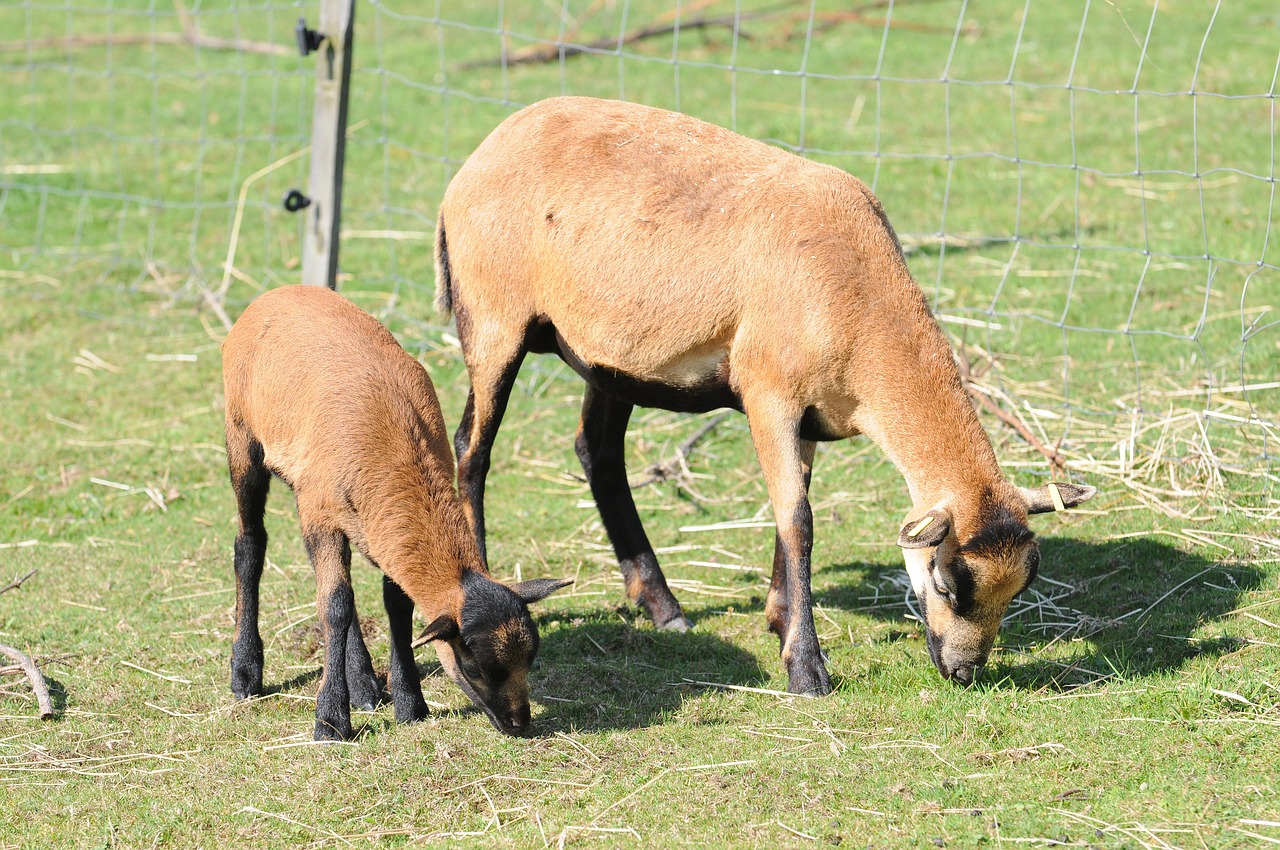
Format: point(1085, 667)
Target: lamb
point(675, 264)
point(319, 394)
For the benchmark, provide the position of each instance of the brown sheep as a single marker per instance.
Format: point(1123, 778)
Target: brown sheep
point(321, 395)
point(675, 264)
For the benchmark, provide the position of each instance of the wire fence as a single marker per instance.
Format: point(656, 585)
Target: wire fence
point(1086, 190)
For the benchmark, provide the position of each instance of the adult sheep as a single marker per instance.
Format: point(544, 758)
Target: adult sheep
point(675, 264)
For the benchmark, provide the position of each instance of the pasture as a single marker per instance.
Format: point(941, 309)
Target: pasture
point(1101, 253)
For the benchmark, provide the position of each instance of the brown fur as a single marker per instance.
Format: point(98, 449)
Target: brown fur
point(653, 250)
point(352, 423)
point(319, 393)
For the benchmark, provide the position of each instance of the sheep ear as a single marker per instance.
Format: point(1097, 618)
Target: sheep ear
point(929, 530)
point(536, 589)
point(1056, 497)
point(443, 627)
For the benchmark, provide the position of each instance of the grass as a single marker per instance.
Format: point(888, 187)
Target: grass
point(1134, 698)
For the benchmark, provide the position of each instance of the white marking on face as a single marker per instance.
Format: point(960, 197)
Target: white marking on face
point(918, 563)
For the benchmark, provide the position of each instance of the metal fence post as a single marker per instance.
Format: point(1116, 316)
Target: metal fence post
point(323, 205)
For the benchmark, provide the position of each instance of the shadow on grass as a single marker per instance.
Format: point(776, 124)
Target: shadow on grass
point(1123, 608)
point(57, 695)
point(601, 672)
point(596, 671)
point(295, 683)
point(1115, 609)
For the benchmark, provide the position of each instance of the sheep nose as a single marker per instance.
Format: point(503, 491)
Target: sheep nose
point(964, 674)
point(519, 721)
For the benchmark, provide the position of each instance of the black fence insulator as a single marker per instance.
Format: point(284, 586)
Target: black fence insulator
point(294, 200)
point(308, 39)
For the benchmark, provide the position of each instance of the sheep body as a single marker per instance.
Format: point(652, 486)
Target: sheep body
point(673, 263)
point(320, 394)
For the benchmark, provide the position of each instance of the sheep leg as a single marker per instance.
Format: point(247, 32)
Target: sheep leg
point(777, 610)
point(473, 442)
point(406, 688)
point(330, 554)
point(363, 685)
point(599, 445)
point(250, 480)
point(786, 460)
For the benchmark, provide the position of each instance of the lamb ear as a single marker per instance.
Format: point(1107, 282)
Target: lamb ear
point(929, 530)
point(1041, 500)
point(442, 628)
point(536, 589)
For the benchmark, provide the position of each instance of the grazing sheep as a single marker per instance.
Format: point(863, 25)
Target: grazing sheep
point(675, 264)
point(320, 394)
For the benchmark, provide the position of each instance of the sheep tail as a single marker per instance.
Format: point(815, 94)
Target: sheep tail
point(444, 278)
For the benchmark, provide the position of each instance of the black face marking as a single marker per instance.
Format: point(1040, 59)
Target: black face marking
point(496, 631)
point(1033, 567)
point(1000, 532)
point(487, 604)
point(497, 642)
point(931, 640)
point(963, 587)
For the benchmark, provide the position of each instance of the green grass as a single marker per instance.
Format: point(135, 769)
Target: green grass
point(1133, 702)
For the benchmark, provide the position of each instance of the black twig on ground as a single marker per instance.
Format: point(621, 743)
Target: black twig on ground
point(674, 468)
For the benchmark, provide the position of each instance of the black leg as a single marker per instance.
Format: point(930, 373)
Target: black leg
point(363, 685)
point(473, 442)
point(777, 609)
point(331, 557)
point(801, 654)
point(600, 448)
point(250, 481)
point(406, 688)
point(786, 462)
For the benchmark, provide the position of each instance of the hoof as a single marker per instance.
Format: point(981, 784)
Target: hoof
point(811, 681)
point(366, 696)
point(413, 713)
point(662, 609)
point(331, 732)
point(246, 691)
point(364, 688)
point(679, 623)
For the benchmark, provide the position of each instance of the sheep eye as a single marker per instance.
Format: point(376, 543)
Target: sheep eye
point(940, 588)
point(470, 670)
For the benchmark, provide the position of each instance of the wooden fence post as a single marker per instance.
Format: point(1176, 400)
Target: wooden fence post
point(332, 40)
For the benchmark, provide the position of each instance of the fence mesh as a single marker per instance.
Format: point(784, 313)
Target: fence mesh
point(1086, 190)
